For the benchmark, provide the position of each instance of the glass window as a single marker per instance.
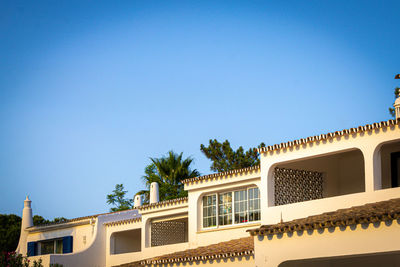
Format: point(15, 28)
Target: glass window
point(225, 209)
point(209, 211)
point(59, 246)
point(47, 247)
point(254, 205)
point(241, 206)
point(54, 246)
point(233, 207)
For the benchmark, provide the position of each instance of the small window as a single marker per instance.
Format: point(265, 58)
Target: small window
point(209, 211)
point(47, 247)
point(54, 246)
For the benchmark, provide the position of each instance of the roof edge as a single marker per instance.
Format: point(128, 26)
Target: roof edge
point(220, 174)
point(315, 138)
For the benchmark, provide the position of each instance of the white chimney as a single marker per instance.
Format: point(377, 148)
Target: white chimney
point(154, 195)
point(397, 102)
point(27, 221)
point(397, 107)
point(138, 201)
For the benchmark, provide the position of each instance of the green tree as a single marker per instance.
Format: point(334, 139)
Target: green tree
point(168, 171)
point(396, 95)
point(39, 220)
point(10, 228)
point(224, 158)
point(117, 198)
point(59, 220)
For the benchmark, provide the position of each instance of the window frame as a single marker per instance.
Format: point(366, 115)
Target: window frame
point(55, 240)
point(217, 194)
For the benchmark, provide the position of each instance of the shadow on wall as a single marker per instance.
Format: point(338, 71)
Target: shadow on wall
point(391, 259)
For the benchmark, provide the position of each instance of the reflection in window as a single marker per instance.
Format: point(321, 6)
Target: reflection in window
point(241, 206)
point(254, 205)
point(225, 209)
point(47, 247)
point(54, 246)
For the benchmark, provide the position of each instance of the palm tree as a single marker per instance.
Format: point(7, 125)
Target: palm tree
point(168, 171)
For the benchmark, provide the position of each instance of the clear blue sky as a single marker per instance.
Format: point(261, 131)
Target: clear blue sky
point(90, 90)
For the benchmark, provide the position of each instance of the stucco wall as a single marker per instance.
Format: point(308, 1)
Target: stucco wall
point(79, 233)
point(331, 242)
point(369, 143)
point(201, 237)
point(386, 259)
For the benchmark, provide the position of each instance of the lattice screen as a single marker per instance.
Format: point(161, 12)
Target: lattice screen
point(293, 186)
point(169, 232)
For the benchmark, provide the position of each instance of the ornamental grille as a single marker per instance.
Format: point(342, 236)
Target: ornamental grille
point(293, 186)
point(169, 232)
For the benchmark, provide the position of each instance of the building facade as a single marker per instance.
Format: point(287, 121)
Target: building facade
point(326, 200)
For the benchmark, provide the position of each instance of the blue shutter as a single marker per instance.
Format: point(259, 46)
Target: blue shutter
point(32, 249)
point(67, 244)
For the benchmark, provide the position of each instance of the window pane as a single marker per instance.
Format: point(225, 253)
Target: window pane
point(209, 211)
point(47, 247)
point(225, 208)
point(59, 246)
point(241, 206)
point(254, 204)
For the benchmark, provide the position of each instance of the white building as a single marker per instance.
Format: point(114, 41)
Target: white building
point(326, 200)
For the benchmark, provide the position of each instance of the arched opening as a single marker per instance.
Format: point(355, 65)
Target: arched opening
point(125, 241)
point(390, 164)
point(319, 177)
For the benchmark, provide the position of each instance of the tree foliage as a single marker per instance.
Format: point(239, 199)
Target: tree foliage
point(396, 95)
point(10, 228)
point(168, 171)
point(118, 199)
point(224, 158)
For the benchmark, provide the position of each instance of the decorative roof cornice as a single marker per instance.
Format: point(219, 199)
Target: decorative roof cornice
point(233, 248)
point(220, 174)
point(78, 219)
point(57, 226)
point(165, 203)
point(321, 137)
point(369, 213)
point(123, 222)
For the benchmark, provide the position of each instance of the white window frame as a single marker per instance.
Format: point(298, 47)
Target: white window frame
point(216, 194)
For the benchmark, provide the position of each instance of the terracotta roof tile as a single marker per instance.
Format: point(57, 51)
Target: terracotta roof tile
point(310, 139)
point(122, 222)
point(232, 248)
point(301, 141)
point(79, 218)
point(164, 203)
point(368, 213)
point(219, 174)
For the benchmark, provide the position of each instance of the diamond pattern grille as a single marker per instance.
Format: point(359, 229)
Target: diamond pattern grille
point(293, 186)
point(169, 232)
